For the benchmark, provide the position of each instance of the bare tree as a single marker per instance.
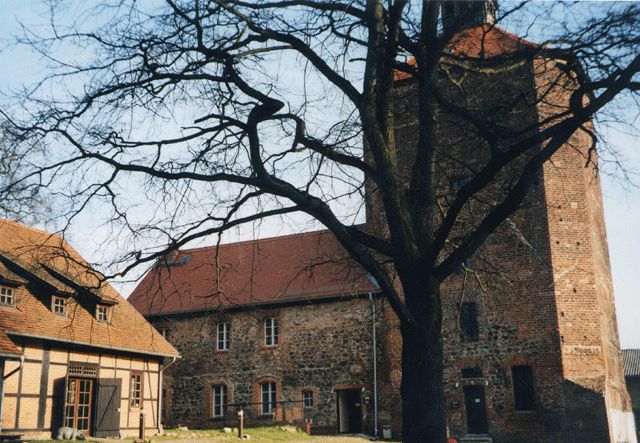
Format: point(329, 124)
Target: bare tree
point(195, 117)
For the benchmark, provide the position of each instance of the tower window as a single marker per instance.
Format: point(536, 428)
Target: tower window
point(523, 390)
point(7, 296)
point(469, 322)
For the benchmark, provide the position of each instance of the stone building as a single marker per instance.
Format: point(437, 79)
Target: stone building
point(531, 343)
point(72, 352)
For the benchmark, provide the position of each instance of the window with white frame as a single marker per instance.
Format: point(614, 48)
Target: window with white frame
point(102, 313)
point(268, 395)
point(223, 340)
point(135, 390)
point(7, 296)
point(307, 399)
point(219, 408)
point(271, 332)
point(59, 306)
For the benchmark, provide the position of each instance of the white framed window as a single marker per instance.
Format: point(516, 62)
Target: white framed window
point(307, 399)
point(219, 406)
point(102, 313)
point(222, 338)
point(59, 306)
point(135, 390)
point(268, 395)
point(271, 332)
point(7, 296)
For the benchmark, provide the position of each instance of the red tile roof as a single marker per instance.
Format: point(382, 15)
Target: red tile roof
point(40, 264)
point(294, 267)
point(481, 42)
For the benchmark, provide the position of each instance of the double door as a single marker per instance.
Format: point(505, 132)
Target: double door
point(99, 416)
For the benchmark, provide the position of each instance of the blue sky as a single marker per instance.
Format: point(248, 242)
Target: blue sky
point(621, 198)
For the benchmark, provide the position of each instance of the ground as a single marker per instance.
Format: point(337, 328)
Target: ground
point(263, 435)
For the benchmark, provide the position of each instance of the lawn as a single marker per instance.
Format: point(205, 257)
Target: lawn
point(262, 434)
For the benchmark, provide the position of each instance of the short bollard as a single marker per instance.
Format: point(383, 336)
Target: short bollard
point(307, 423)
point(241, 423)
point(141, 430)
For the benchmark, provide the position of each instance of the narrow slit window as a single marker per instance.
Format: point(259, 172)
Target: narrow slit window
point(469, 322)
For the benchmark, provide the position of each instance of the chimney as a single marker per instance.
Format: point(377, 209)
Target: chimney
point(461, 14)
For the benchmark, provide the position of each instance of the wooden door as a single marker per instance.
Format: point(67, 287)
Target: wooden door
point(107, 417)
point(474, 403)
point(78, 404)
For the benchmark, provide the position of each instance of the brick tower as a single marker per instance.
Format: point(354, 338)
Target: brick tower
point(532, 351)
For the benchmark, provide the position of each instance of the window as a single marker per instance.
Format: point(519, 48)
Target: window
point(307, 399)
point(222, 340)
point(164, 332)
point(59, 306)
point(471, 372)
point(469, 322)
point(102, 313)
point(135, 396)
point(7, 297)
point(523, 388)
point(268, 393)
point(219, 408)
point(271, 332)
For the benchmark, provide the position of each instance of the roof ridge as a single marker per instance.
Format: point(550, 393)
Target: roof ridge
point(31, 228)
point(258, 240)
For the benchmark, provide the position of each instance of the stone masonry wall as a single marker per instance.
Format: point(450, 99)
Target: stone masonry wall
point(322, 347)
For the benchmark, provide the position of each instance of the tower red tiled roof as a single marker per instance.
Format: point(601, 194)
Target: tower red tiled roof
point(294, 267)
point(37, 264)
point(481, 42)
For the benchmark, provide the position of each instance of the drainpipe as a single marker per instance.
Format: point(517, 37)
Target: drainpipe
point(160, 377)
point(375, 365)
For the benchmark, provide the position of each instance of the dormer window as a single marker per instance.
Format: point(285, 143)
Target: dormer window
point(102, 313)
point(7, 296)
point(59, 306)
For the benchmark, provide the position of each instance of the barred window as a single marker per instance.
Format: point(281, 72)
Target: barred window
point(219, 408)
point(7, 296)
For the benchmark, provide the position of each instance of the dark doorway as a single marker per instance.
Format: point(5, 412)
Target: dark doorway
point(349, 411)
point(107, 423)
point(474, 403)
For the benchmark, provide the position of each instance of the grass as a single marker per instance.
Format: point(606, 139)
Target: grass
point(265, 434)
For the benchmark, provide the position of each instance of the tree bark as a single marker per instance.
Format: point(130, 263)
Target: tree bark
point(423, 411)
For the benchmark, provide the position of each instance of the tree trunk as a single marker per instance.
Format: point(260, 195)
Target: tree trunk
point(423, 411)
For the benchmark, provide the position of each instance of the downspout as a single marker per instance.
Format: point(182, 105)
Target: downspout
point(160, 395)
point(375, 365)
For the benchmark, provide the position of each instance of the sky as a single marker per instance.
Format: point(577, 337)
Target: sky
point(621, 195)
